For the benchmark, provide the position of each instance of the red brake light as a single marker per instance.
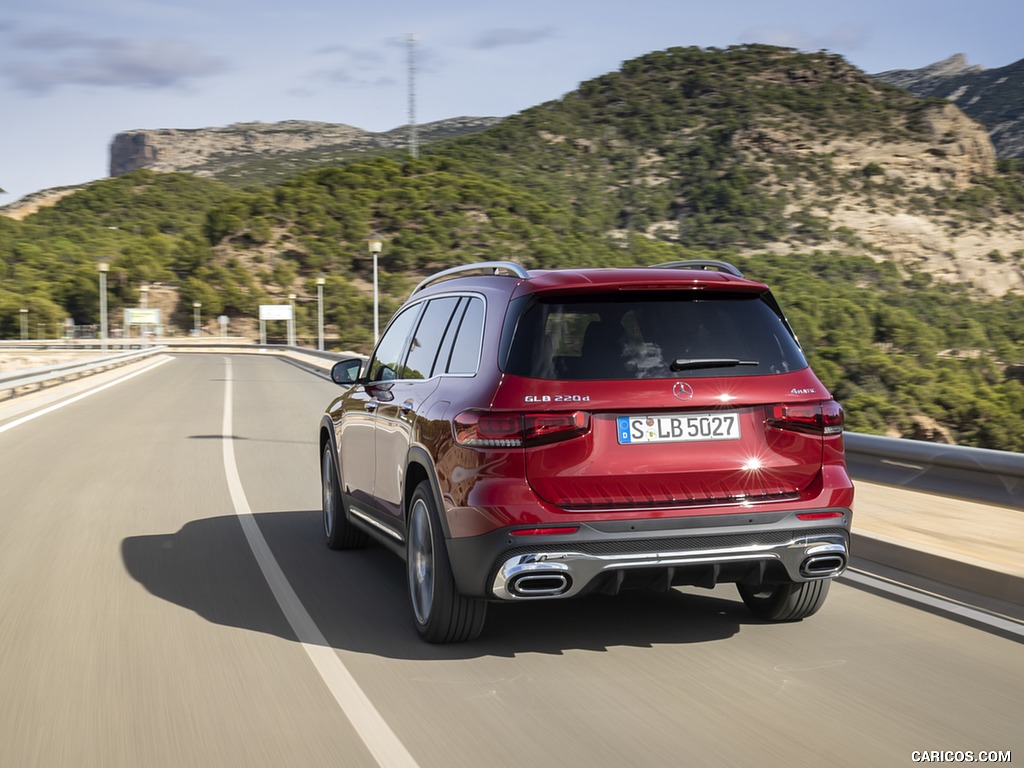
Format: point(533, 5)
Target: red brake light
point(822, 417)
point(483, 429)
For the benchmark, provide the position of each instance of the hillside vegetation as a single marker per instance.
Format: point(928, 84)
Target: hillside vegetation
point(683, 153)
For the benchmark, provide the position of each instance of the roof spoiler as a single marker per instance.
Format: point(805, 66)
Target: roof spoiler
point(708, 264)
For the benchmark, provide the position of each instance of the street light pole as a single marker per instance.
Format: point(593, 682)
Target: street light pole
point(103, 266)
point(291, 322)
point(196, 306)
point(320, 312)
point(143, 303)
point(376, 245)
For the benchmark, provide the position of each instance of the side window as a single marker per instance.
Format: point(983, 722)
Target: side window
point(465, 357)
point(425, 343)
point(387, 359)
point(441, 364)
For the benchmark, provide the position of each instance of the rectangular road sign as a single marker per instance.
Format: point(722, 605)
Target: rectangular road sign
point(141, 316)
point(275, 312)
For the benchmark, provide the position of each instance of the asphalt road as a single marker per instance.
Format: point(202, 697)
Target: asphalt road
point(138, 628)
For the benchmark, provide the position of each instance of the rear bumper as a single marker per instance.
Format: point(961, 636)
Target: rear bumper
point(756, 548)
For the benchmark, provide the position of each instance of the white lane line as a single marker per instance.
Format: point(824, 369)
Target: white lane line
point(933, 601)
point(82, 396)
point(376, 734)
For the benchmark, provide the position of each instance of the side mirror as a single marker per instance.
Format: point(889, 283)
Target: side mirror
point(346, 371)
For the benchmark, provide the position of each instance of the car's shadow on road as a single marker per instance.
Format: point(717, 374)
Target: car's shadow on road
point(358, 598)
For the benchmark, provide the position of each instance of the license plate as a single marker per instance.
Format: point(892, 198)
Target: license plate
point(678, 428)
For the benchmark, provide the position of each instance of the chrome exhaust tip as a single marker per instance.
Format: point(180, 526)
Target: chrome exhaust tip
point(820, 566)
point(550, 584)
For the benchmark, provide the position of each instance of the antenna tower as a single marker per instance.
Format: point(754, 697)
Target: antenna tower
point(414, 147)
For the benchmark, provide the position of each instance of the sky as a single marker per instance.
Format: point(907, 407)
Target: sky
point(73, 73)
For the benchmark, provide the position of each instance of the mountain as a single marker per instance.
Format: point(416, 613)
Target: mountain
point(993, 97)
point(920, 81)
point(261, 153)
point(759, 148)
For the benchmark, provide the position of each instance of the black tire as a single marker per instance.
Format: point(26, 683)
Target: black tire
point(339, 533)
point(441, 613)
point(785, 602)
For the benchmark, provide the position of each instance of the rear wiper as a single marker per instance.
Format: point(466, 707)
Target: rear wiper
point(684, 364)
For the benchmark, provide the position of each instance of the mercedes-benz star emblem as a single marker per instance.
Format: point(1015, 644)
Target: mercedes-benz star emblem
point(682, 390)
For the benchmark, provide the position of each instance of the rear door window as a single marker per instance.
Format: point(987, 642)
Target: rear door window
point(427, 339)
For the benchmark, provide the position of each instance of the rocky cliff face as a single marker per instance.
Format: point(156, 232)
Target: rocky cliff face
point(216, 152)
point(993, 97)
point(953, 154)
point(932, 76)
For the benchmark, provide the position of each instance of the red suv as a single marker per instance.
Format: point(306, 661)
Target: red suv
point(541, 435)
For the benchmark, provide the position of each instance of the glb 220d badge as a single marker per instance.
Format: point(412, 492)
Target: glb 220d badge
point(556, 399)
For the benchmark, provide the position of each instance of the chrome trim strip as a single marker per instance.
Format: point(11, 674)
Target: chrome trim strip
point(372, 521)
point(746, 501)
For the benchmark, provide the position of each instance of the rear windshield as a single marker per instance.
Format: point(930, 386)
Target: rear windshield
point(639, 335)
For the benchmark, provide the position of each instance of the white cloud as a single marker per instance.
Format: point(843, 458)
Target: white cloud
point(72, 60)
point(505, 37)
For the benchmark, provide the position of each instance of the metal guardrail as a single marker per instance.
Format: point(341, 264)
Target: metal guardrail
point(936, 454)
point(976, 474)
point(31, 379)
point(293, 354)
point(26, 380)
point(45, 345)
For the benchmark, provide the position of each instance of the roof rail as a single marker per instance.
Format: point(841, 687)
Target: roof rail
point(511, 267)
point(718, 266)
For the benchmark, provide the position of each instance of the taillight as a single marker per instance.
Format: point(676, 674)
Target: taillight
point(489, 430)
point(822, 417)
point(484, 429)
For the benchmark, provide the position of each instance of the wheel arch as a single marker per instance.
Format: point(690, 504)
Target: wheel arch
point(329, 437)
point(327, 434)
point(418, 468)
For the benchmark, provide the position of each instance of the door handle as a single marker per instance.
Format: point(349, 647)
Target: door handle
point(371, 405)
point(406, 407)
